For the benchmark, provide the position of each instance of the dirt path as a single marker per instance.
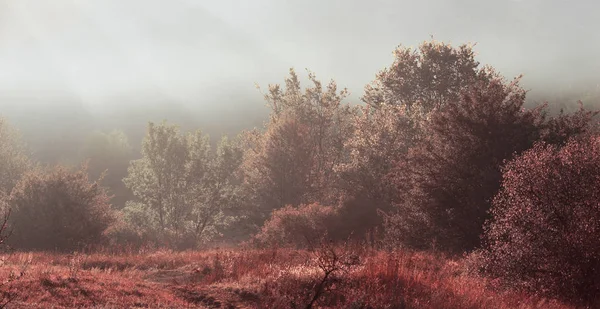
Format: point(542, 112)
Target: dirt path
point(183, 284)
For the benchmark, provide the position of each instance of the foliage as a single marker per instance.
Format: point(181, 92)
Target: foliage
point(279, 174)
point(543, 234)
point(182, 184)
point(58, 209)
point(297, 226)
point(427, 78)
point(446, 184)
point(225, 188)
point(382, 136)
point(558, 130)
point(135, 226)
point(399, 103)
point(291, 161)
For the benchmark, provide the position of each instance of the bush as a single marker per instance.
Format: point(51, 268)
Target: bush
point(58, 209)
point(546, 221)
point(297, 226)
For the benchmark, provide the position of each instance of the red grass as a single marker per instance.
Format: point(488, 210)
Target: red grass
point(251, 279)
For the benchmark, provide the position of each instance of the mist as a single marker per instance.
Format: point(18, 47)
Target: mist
point(106, 64)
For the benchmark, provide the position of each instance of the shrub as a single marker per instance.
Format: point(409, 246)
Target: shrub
point(546, 221)
point(58, 209)
point(297, 226)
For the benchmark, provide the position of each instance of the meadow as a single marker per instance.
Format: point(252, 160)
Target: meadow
point(327, 277)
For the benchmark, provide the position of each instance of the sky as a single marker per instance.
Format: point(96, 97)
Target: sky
point(201, 52)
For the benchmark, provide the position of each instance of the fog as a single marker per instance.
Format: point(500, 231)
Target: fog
point(189, 60)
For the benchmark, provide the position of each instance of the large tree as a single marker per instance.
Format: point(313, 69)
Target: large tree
point(292, 160)
point(399, 103)
point(427, 77)
point(382, 135)
point(447, 181)
point(183, 189)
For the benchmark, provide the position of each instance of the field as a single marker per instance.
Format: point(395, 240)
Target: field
point(330, 277)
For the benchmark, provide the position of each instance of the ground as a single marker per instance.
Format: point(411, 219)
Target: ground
point(239, 278)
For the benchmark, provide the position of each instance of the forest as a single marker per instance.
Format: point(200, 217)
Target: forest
point(445, 186)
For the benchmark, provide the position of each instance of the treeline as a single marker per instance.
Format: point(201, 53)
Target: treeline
point(443, 154)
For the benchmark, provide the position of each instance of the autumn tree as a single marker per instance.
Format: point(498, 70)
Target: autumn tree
point(543, 234)
point(446, 183)
point(382, 136)
point(182, 187)
point(428, 77)
point(291, 161)
point(58, 209)
point(398, 106)
point(279, 173)
point(428, 147)
point(109, 154)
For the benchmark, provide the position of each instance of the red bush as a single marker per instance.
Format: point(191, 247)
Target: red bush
point(546, 221)
point(297, 226)
point(58, 209)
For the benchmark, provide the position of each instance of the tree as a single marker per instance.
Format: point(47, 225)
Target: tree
point(279, 173)
point(217, 197)
point(292, 160)
point(399, 105)
point(545, 220)
point(58, 209)
point(427, 78)
point(181, 184)
point(14, 160)
point(159, 177)
point(225, 186)
point(109, 153)
point(446, 183)
point(382, 136)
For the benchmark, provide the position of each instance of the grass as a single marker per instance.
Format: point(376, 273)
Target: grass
point(239, 278)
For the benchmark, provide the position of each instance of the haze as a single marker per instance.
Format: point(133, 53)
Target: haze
point(70, 67)
point(194, 51)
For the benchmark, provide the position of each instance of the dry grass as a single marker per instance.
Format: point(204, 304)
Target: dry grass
point(277, 278)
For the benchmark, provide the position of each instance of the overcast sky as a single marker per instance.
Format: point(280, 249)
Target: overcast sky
point(194, 50)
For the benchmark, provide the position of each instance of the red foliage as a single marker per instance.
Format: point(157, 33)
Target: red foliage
point(277, 172)
point(448, 180)
point(546, 221)
point(58, 209)
point(297, 226)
